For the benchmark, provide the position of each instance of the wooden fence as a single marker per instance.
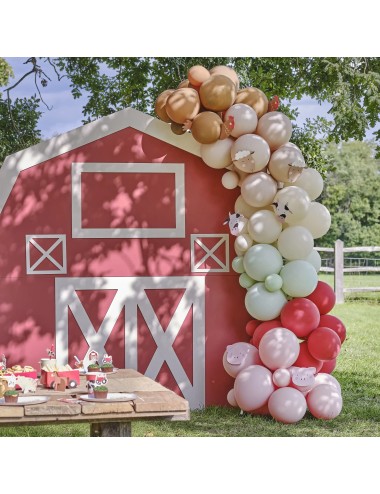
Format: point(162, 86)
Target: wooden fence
point(339, 269)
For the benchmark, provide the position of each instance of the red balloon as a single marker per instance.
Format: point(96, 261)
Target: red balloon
point(251, 326)
point(305, 359)
point(328, 366)
point(263, 328)
point(324, 344)
point(332, 322)
point(301, 316)
point(323, 297)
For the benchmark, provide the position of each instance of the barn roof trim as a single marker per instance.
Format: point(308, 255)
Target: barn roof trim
point(51, 148)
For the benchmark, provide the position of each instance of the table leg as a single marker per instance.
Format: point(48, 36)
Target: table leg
point(111, 429)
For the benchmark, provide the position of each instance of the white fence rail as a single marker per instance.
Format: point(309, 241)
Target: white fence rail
point(339, 269)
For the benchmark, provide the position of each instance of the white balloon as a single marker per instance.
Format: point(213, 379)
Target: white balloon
point(230, 180)
point(264, 227)
point(291, 204)
point(310, 181)
point(253, 147)
point(217, 154)
point(262, 304)
point(258, 189)
point(295, 242)
point(262, 260)
point(244, 117)
point(314, 259)
point(299, 278)
point(317, 220)
point(276, 128)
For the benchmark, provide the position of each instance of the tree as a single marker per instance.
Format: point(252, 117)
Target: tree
point(351, 194)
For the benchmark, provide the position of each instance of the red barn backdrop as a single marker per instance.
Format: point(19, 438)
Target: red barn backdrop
point(111, 238)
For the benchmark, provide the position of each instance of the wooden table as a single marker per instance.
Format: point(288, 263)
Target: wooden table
point(106, 419)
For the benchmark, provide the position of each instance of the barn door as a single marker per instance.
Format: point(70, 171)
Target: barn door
point(130, 297)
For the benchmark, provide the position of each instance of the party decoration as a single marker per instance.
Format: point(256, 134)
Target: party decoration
point(279, 348)
point(324, 402)
point(253, 387)
point(275, 221)
point(239, 356)
point(324, 344)
point(287, 405)
point(301, 316)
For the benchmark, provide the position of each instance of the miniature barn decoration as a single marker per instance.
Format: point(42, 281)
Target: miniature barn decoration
point(112, 238)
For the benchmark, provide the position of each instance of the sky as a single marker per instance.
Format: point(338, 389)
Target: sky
point(66, 113)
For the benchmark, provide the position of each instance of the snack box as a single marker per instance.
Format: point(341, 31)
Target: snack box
point(72, 378)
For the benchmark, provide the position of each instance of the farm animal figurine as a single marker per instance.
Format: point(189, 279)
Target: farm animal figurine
point(93, 357)
point(302, 378)
point(11, 380)
point(3, 363)
point(227, 127)
point(281, 211)
point(237, 222)
point(27, 384)
point(244, 160)
point(107, 359)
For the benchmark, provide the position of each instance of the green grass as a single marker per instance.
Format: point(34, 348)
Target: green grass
point(358, 372)
point(357, 281)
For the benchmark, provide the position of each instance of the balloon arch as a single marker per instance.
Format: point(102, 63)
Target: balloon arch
point(286, 367)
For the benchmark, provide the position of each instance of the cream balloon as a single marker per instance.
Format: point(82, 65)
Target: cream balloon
point(244, 119)
point(250, 153)
point(276, 128)
point(295, 242)
point(310, 181)
point(230, 180)
point(258, 189)
point(291, 204)
point(286, 164)
point(279, 347)
point(287, 405)
point(217, 154)
point(253, 387)
point(243, 242)
point(245, 209)
point(264, 227)
point(299, 278)
point(314, 259)
point(281, 377)
point(317, 220)
point(262, 304)
point(325, 402)
point(262, 260)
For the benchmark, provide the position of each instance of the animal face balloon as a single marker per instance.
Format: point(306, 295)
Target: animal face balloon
point(237, 223)
point(291, 204)
point(303, 378)
point(239, 356)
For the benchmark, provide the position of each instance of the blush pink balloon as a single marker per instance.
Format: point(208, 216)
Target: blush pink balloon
point(281, 378)
point(325, 378)
point(325, 402)
point(279, 347)
point(239, 356)
point(287, 405)
point(253, 387)
point(231, 398)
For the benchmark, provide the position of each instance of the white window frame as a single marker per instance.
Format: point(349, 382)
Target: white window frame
point(46, 254)
point(197, 239)
point(178, 169)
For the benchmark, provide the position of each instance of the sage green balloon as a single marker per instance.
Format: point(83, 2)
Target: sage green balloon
point(273, 282)
point(262, 260)
point(264, 305)
point(299, 278)
point(238, 265)
point(245, 281)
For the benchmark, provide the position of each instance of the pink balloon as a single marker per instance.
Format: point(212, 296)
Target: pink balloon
point(325, 402)
point(281, 378)
point(324, 378)
point(287, 405)
point(279, 347)
point(231, 398)
point(253, 387)
point(239, 356)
